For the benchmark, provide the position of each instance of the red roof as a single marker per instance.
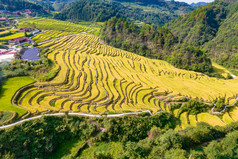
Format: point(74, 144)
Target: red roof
point(3, 19)
point(7, 52)
point(25, 29)
point(20, 39)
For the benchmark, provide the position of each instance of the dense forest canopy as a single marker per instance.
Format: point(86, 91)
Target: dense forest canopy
point(55, 5)
point(13, 5)
point(102, 10)
point(214, 29)
point(152, 42)
point(160, 3)
point(141, 137)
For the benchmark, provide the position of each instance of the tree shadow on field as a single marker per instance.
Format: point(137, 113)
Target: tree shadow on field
point(2, 82)
point(2, 90)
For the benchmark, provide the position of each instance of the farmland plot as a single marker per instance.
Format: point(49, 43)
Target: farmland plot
point(96, 78)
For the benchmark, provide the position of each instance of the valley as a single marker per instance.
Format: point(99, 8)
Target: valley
point(96, 78)
point(118, 79)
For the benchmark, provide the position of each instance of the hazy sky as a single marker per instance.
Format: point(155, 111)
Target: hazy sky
point(194, 1)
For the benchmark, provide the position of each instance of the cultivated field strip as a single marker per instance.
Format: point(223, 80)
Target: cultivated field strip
point(51, 24)
point(52, 28)
point(49, 35)
point(96, 78)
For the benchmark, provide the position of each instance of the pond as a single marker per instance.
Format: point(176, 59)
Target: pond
point(31, 54)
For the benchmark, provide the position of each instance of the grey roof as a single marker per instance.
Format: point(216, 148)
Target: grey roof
point(31, 54)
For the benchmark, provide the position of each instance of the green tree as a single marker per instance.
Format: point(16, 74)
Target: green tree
point(213, 150)
point(25, 34)
point(176, 153)
point(230, 145)
point(170, 139)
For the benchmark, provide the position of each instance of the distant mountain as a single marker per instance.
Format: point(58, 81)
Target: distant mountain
point(156, 12)
point(199, 4)
point(214, 28)
point(18, 5)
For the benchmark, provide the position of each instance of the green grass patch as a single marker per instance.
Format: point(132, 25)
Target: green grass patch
point(113, 112)
point(126, 111)
point(66, 149)
point(94, 32)
point(113, 148)
point(52, 103)
point(4, 116)
point(8, 89)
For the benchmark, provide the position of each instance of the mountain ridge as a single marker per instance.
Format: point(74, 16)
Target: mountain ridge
point(100, 10)
point(199, 4)
point(13, 5)
point(213, 28)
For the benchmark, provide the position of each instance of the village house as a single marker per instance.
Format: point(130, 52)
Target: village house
point(3, 19)
point(20, 40)
point(24, 30)
point(16, 13)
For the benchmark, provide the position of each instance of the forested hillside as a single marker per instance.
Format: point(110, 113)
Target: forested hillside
point(135, 137)
point(214, 28)
point(152, 42)
point(157, 13)
point(55, 5)
point(13, 5)
point(158, 6)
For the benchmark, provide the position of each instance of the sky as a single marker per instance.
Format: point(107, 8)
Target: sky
point(194, 1)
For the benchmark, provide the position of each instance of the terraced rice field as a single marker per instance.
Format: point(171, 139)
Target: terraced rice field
point(8, 89)
point(4, 33)
point(221, 70)
point(13, 36)
point(95, 78)
point(53, 28)
point(49, 35)
point(52, 24)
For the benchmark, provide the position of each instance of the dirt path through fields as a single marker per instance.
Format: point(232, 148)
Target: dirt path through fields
point(76, 114)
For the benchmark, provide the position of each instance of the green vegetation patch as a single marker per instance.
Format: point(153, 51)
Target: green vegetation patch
point(4, 116)
point(213, 28)
point(4, 33)
point(13, 36)
point(8, 89)
point(102, 10)
point(67, 149)
point(156, 43)
point(94, 32)
point(112, 148)
point(127, 137)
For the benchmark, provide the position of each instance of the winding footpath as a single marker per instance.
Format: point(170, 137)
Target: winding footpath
point(227, 106)
point(75, 114)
